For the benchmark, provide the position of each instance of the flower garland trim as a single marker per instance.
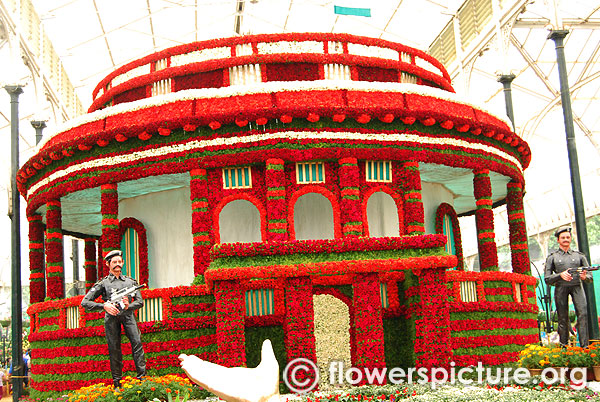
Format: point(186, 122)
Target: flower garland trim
point(96, 119)
point(267, 40)
point(196, 145)
point(416, 264)
point(326, 246)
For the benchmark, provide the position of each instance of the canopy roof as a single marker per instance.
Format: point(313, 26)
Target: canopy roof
point(72, 44)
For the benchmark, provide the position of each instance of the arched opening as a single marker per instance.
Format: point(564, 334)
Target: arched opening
point(130, 247)
point(446, 223)
point(313, 217)
point(239, 221)
point(134, 245)
point(382, 215)
point(332, 335)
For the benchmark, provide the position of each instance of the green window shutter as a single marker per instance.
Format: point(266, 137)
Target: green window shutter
point(383, 295)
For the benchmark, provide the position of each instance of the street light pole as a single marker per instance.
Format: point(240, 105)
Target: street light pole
point(15, 216)
point(558, 36)
point(506, 80)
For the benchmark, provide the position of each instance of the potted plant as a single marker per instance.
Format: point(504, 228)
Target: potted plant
point(594, 352)
point(558, 359)
point(578, 357)
point(534, 358)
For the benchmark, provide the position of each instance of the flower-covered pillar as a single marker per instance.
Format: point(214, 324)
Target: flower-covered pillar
point(368, 322)
point(277, 225)
point(484, 220)
point(432, 329)
point(414, 213)
point(351, 217)
point(89, 253)
point(200, 219)
point(55, 287)
point(230, 325)
point(519, 249)
point(37, 282)
point(110, 220)
point(299, 325)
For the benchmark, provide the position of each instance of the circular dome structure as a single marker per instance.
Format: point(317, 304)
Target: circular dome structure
point(276, 144)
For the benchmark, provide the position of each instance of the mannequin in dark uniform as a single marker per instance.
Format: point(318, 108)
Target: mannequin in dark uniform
point(555, 273)
point(114, 318)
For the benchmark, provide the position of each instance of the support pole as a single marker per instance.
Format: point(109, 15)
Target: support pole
point(582, 238)
point(506, 81)
point(39, 126)
point(15, 217)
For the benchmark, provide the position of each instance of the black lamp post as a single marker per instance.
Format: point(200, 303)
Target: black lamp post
point(582, 238)
point(15, 215)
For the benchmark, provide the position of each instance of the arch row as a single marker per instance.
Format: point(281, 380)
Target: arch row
point(309, 196)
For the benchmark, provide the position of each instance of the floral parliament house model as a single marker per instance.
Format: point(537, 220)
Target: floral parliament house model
point(245, 177)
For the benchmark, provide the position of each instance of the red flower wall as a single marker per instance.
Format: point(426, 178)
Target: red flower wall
point(275, 182)
point(299, 323)
point(368, 324)
point(414, 215)
point(484, 220)
point(517, 228)
point(230, 308)
point(54, 251)
point(350, 202)
point(200, 219)
point(37, 284)
point(110, 220)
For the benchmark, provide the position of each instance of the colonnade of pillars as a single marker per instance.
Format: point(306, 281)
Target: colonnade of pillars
point(51, 276)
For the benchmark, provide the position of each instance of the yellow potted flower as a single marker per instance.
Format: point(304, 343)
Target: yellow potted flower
point(534, 358)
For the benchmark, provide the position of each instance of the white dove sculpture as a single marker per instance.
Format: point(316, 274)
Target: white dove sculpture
point(237, 384)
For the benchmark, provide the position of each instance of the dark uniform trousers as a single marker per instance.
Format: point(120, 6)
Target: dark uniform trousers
point(112, 325)
point(561, 300)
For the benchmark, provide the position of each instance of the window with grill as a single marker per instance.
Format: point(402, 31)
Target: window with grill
point(310, 172)
point(259, 302)
point(237, 177)
point(151, 310)
point(468, 291)
point(378, 171)
point(72, 317)
point(163, 86)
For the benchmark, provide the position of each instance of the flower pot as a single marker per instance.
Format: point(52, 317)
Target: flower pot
point(596, 370)
point(534, 371)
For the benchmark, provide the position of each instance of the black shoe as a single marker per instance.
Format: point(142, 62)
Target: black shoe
point(117, 384)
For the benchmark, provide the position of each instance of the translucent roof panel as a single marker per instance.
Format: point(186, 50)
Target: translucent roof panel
point(91, 38)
